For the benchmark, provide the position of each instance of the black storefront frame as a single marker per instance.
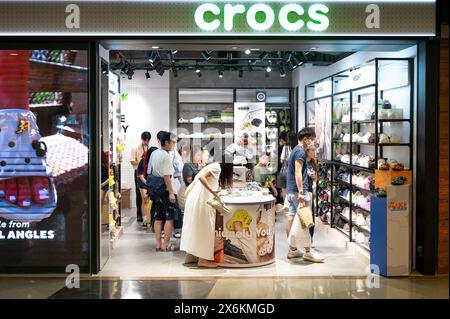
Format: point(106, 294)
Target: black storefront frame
point(427, 142)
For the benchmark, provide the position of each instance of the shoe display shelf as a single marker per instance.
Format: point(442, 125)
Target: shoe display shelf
point(370, 99)
point(205, 116)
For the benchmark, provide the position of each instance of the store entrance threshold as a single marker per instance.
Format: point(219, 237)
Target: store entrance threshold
point(135, 257)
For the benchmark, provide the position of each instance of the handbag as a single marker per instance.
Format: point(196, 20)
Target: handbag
point(218, 205)
point(305, 215)
point(282, 175)
point(182, 196)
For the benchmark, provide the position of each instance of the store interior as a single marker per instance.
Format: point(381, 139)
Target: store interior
point(357, 95)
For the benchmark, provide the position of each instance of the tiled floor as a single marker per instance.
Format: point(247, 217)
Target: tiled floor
point(134, 257)
point(327, 288)
point(135, 271)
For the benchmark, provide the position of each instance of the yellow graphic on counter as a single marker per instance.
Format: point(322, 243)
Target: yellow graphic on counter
point(242, 216)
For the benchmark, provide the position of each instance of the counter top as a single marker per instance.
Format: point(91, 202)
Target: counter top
point(256, 198)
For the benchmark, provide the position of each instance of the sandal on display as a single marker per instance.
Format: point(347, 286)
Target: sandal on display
point(384, 139)
point(399, 180)
point(380, 192)
point(395, 138)
point(383, 165)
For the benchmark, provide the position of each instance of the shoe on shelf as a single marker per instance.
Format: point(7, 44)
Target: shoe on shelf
point(294, 254)
point(313, 256)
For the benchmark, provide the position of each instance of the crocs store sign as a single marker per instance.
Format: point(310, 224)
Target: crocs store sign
point(262, 17)
point(218, 18)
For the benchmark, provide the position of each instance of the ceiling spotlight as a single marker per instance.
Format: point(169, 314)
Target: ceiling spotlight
point(268, 69)
point(220, 74)
point(241, 73)
point(130, 77)
point(197, 69)
point(206, 55)
point(126, 68)
point(154, 55)
point(155, 47)
point(282, 71)
point(248, 51)
point(171, 57)
point(292, 65)
point(174, 70)
point(160, 69)
point(294, 60)
point(147, 75)
point(174, 51)
point(199, 74)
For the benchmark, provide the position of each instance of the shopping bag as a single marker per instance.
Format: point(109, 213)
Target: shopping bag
point(305, 215)
point(182, 196)
point(149, 204)
point(299, 236)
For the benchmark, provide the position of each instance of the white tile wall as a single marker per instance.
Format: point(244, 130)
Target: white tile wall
point(147, 109)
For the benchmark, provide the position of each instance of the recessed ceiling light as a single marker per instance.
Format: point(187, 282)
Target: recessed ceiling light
point(234, 48)
point(248, 51)
point(268, 69)
point(14, 54)
point(155, 47)
point(313, 48)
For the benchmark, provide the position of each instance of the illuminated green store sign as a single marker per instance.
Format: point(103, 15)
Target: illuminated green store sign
point(262, 17)
point(219, 18)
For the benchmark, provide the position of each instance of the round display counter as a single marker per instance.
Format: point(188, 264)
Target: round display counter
point(246, 236)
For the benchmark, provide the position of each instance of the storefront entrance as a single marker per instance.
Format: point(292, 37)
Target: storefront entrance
point(195, 91)
point(222, 77)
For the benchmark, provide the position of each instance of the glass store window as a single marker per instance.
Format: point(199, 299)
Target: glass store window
point(44, 159)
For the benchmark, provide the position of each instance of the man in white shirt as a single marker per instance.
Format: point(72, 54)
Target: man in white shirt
point(161, 165)
point(136, 156)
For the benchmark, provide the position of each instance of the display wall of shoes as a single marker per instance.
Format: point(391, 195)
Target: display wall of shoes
point(390, 164)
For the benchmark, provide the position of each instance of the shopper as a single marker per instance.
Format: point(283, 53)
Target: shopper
point(262, 174)
point(136, 155)
point(159, 181)
point(297, 187)
point(312, 170)
point(177, 179)
point(289, 141)
point(198, 233)
point(191, 169)
point(143, 188)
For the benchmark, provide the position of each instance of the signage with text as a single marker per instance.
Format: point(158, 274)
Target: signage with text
point(224, 18)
